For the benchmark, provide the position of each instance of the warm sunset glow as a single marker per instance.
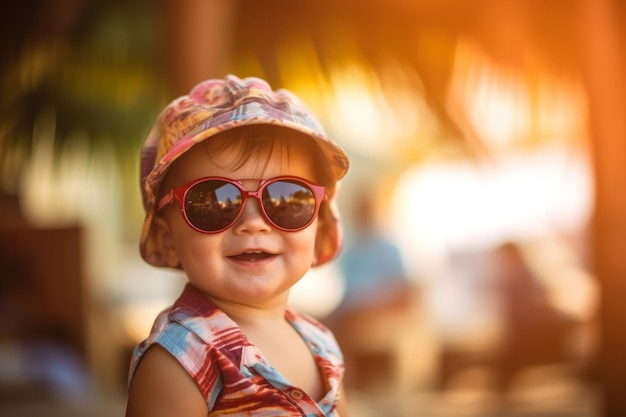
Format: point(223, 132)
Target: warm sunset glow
point(378, 113)
point(357, 104)
point(511, 107)
point(446, 206)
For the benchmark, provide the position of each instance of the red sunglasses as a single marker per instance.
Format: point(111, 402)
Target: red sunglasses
point(213, 204)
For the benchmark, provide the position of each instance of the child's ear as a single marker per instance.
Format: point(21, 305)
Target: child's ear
point(319, 242)
point(164, 242)
point(328, 238)
point(322, 242)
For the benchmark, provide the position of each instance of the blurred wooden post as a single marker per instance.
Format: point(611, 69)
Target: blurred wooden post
point(196, 37)
point(605, 73)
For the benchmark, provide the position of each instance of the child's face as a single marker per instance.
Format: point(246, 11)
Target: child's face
point(214, 263)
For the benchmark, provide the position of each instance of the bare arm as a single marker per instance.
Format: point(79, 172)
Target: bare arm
point(162, 388)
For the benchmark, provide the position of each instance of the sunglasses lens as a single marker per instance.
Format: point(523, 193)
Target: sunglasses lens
point(212, 205)
point(289, 204)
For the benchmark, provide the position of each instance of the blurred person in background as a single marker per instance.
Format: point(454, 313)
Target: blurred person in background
point(535, 332)
point(371, 264)
point(377, 300)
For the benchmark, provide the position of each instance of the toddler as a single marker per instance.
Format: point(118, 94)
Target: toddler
point(238, 183)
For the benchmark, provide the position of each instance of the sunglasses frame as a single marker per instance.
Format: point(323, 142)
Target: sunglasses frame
point(178, 194)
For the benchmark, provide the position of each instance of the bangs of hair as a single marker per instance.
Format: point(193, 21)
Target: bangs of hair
point(260, 143)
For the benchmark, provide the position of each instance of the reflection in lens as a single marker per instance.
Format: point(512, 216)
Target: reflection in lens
point(289, 204)
point(212, 205)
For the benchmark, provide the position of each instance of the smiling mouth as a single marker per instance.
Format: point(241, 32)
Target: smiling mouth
point(252, 256)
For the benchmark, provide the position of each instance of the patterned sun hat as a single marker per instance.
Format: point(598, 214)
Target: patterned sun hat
point(214, 106)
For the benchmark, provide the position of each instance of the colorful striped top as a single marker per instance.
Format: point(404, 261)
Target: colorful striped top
point(231, 373)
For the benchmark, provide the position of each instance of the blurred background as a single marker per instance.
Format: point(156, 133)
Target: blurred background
point(485, 215)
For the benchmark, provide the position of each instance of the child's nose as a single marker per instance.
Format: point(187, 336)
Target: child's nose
point(252, 219)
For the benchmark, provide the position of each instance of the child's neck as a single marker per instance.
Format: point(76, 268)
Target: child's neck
point(254, 314)
point(266, 327)
point(286, 351)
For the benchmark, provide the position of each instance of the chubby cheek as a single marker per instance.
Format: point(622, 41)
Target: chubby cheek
point(302, 245)
point(192, 248)
point(198, 248)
